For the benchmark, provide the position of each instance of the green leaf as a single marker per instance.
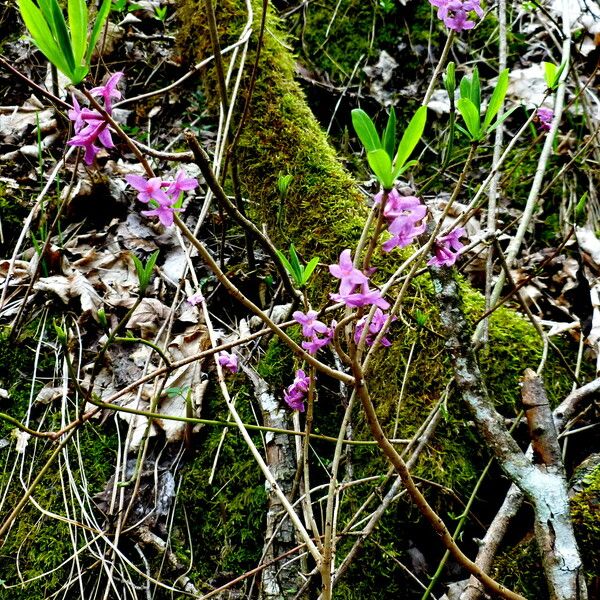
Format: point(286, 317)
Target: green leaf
point(308, 270)
point(476, 90)
point(399, 170)
point(465, 87)
point(78, 24)
point(292, 266)
point(580, 211)
point(497, 99)
point(46, 8)
point(144, 273)
point(381, 165)
point(549, 74)
point(389, 134)
point(365, 129)
point(98, 25)
point(470, 116)
point(285, 262)
point(41, 34)
point(411, 137)
point(501, 119)
point(283, 183)
point(294, 260)
point(62, 36)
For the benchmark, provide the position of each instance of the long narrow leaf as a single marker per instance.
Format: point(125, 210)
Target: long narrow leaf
point(497, 99)
point(411, 137)
point(465, 87)
point(294, 260)
point(310, 267)
point(46, 8)
point(41, 34)
point(476, 89)
point(389, 134)
point(470, 116)
point(381, 165)
point(399, 170)
point(98, 25)
point(285, 262)
point(62, 36)
point(502, 118)
point(78, 24)
point(365, 129)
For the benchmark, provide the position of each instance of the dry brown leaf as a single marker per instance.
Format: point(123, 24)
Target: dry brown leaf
point(148, 316)
point(73, 286)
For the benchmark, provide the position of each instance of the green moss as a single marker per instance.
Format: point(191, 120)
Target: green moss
point(225, 518)
point(585, 508)
point(520, 569)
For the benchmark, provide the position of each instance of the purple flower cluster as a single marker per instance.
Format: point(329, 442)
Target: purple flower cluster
point(351, 278)
point(228, 361)
point(455, 13)
point(376, 325)
point(161, 195)
point(403, 214)
point(311, 327)
point(294, 395)
point(447, 248)
point(90, 126)
point(544, 118)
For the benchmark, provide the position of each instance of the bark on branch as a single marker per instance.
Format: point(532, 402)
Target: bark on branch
point(544, 485)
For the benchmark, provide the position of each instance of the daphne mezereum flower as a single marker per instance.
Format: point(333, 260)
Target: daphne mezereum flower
point(228, 361)
point(447, 248)
point(182, 183)
point(376, 325)
point(455, 13)
point(88, 136)
point(108, 91)
point(149, 189)
point(404, 231)
point(365, 297)
point(310, 325)
point(162, 201)
point(544, 117)
point(349, 275)
point(164, 212)
point(294, 394)
point(195, 299)
point(409, 207)
point(90, 126)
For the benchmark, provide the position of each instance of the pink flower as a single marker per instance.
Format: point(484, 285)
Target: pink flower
point(108, 90)
point(196, 299)
point(363, 298)
point(315, 344)
point(228, 361)
point(164, 212)
point(310, 326)
point(408, 207)
point(376, 325)
point(149, 189)
point(455, 13)
point(294, 395)
point(181, 184)
point(345, 270)
point(447, 248)
point(87, 137)
point(404, 231)
point(544, 118)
